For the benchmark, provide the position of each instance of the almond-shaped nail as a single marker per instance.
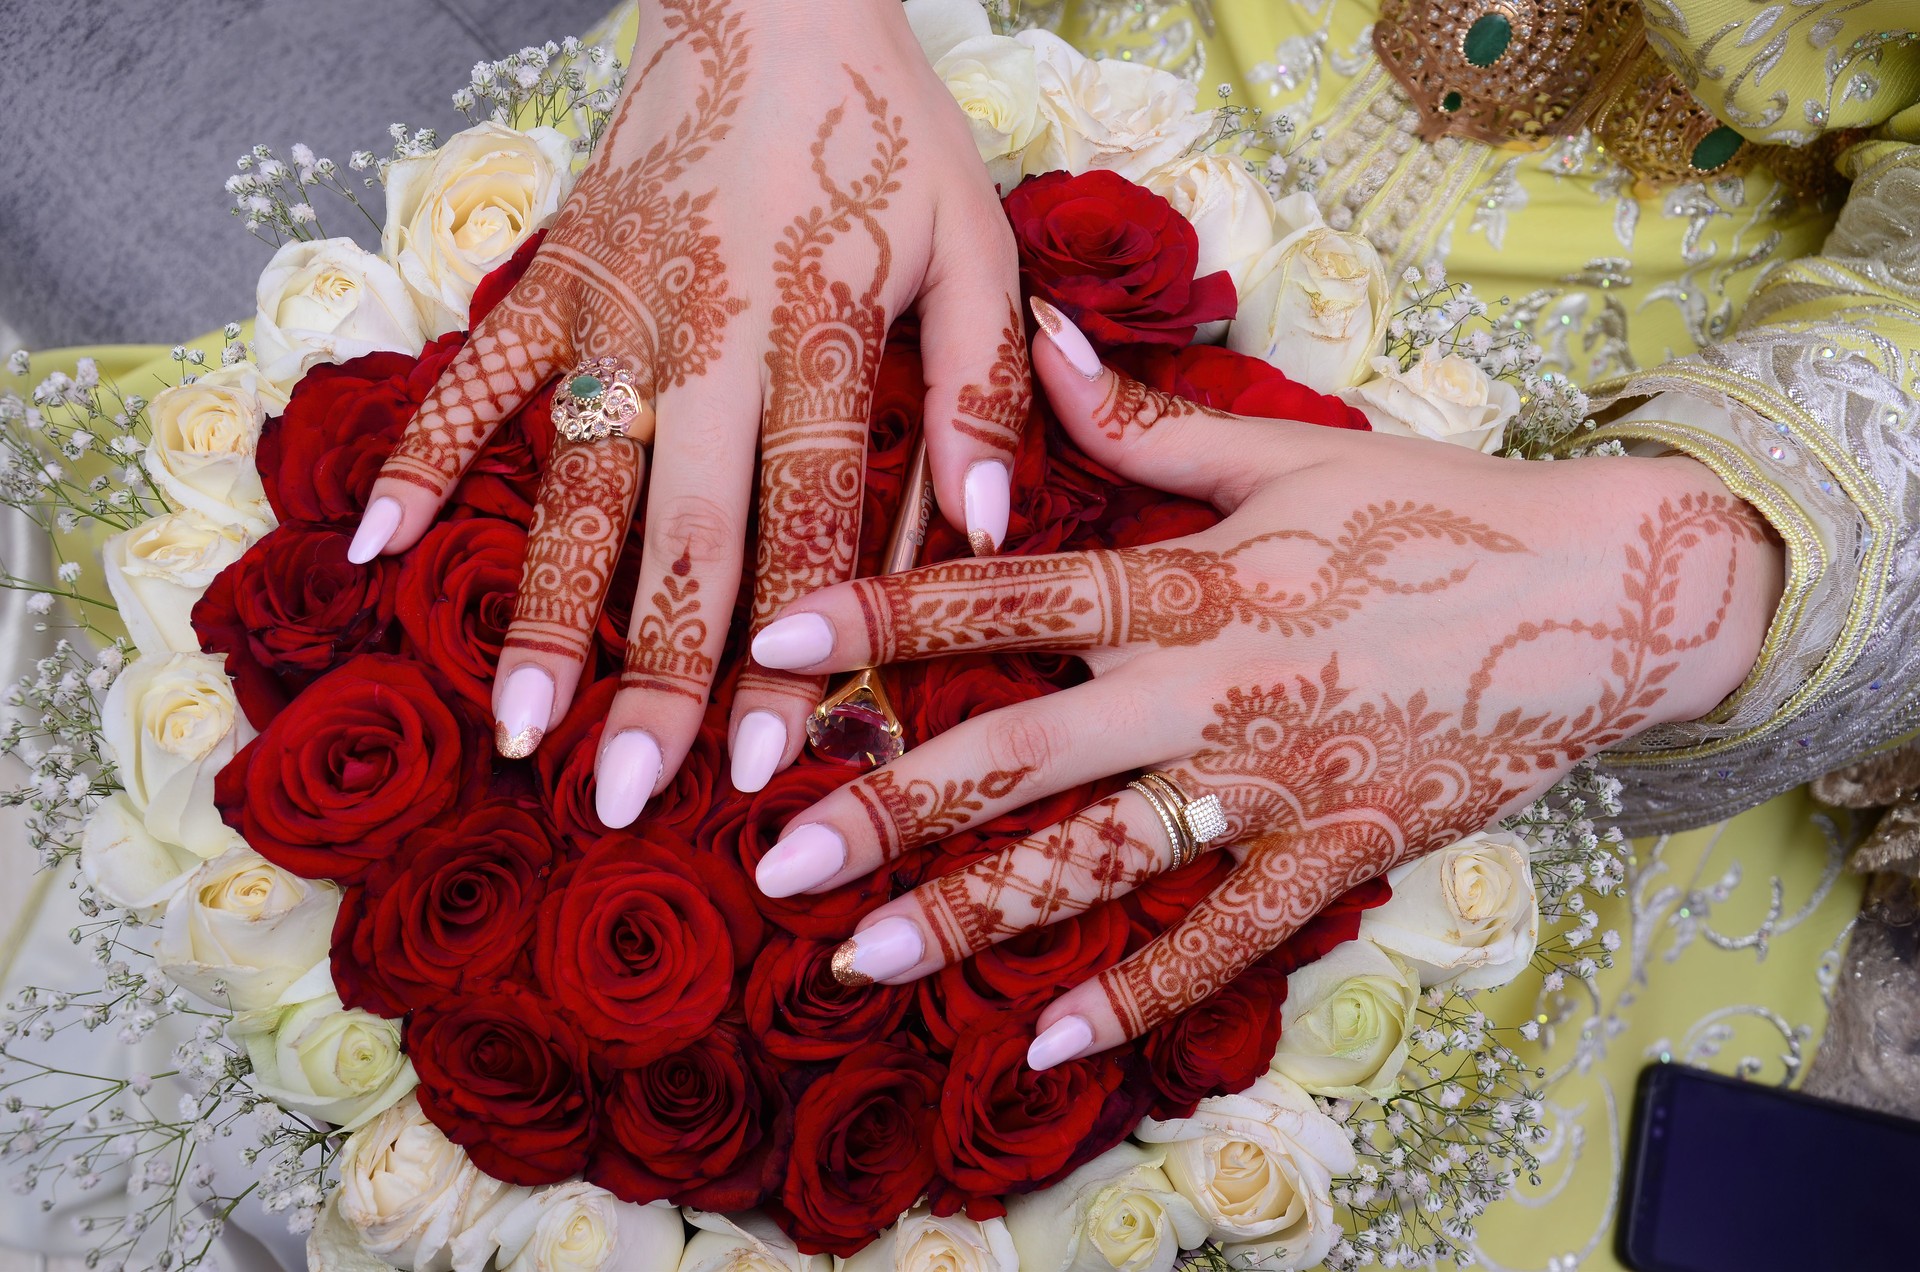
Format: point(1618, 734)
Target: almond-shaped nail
point(525, 705)
point(1068, 339)
point(810, 856)
point(793, 642)
point(888, 948)
point(758, 744)
point(1063, 1040)
point(989, 500)
point(624, 778)
point(377, 525)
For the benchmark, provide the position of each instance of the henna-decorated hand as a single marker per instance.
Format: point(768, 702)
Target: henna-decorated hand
point(747, 229)
point(1387, 644)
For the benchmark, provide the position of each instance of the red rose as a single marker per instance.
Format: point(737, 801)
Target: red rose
point(504, 478)
point(1022, 973)
point(1138, 516)
point(742, 831)
point(369, 754)
point(704, 1126)
point(503, 1074)
point(639, 941)
point(290, 610)
point(1219, 1046)
point(1241, 384)
point(318, 459)
point(798, 1009)
point(702, 781)
point(899, 401)
point(563, 766)
point(862, 1152)
point(1116, 258)
point(1164, 900)
point(455, 599)
point(501, 279)
point(1006, 1129)
point(457, 902)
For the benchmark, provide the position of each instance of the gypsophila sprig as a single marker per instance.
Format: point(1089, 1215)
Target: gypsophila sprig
point(274, 197)
point(53, 728)
point(547, 84)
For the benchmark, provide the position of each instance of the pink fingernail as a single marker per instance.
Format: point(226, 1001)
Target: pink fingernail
point(377, 525)
point(758, 744)
point(811, 855)
point(799, 640)
point(1067, 338)
point(888, 948)
point(989, 498)
point(1063, 1040)
point(623, 780)
point(525, 705)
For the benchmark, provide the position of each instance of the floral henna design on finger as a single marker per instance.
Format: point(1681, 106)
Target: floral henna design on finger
point(1130, 404)
point(917, 812)
point(995, 414)
point(827, 340)
point(586, 503)
point(667, 650)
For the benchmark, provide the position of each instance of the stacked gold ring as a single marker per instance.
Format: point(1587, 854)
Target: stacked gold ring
point(598, 399)
point(1191, 824)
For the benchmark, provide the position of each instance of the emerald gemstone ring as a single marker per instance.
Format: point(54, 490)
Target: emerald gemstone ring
point(598, 399)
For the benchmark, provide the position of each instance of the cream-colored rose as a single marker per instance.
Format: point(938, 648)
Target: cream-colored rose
point(1231, 211)
point(171, 724)
point(241, 922)
point(994, 78)
point(201, 451)
point(407, 1193)
point(1108, 113)
point(1117, 1211)
point(1343, 1031)
point(158, 570)
point(578, 1227)
point(921, 1242)
point(125, 864)
point(1466, 915)
point(328, 300)
point(1443, 398)
point(455, 214)
point(314, 1056)
point(1316, 304)
point(1259, 1167)
point(746, 1242)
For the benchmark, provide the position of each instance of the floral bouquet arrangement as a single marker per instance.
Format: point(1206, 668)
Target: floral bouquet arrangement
point(461, 1024)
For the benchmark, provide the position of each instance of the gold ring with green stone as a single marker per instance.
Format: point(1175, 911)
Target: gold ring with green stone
point(598, 399)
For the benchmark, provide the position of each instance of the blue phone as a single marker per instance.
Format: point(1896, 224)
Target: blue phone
point(1725, 1175)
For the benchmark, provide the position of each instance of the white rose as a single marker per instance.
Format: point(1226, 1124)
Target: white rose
point(921, 1242)
point(329, 300)
point(1259, 1167)
point(1316, 304)
point(1466, 915)
point(1343, 1030)
point(1231, 211)
point(160, 568)
point(1118, 1211)
point(125, 864)
point(747, 1242)
point(314, 1056)
point(457, 212)
point(171, 724)
point(1445, 399)
point(201, 451)
point(995, 79)
point(408, 1193)
point(1108, 113)
point(243, 922)
point(578, 1227)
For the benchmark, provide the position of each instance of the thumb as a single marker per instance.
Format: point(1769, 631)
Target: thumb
point(1157, 439)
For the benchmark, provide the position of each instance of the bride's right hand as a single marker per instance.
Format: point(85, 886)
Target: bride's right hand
point(779, 183)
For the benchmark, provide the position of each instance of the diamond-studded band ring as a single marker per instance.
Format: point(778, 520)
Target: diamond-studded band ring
point(1191, 824)
point(598, 399)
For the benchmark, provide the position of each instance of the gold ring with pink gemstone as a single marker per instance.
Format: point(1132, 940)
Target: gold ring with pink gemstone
point(598, 399)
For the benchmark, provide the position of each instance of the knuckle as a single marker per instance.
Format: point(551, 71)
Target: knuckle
point(695, 525)
point(1026, 742)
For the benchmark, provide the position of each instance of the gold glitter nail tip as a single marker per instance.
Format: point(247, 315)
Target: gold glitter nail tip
point(516, 746)
point(843, 968)
point(982, 543)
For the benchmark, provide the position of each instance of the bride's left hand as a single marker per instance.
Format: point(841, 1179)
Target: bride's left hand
point(1386, 644)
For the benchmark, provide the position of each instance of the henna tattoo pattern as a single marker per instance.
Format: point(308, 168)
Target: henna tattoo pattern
point(995, 415)
point(1342, 789)
point(668, 648)
point(918, 812)
point(629, 270)
point(1165, 596)
point(827, 339)
point(1086, 861)
point(579, 523)
point(1131, 404)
